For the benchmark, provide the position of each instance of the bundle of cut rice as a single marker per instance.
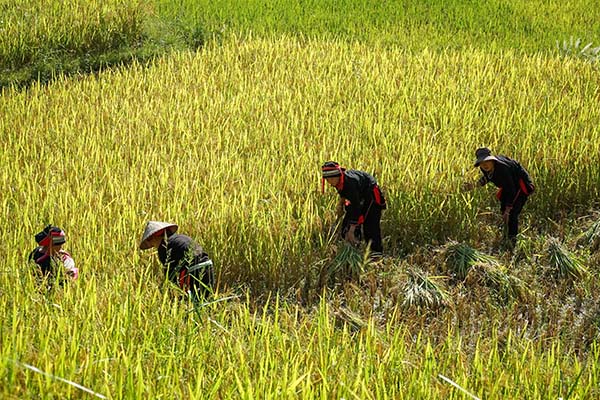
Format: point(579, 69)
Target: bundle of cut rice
point(591, 237)
point(498, 280)
point(461, 257)
point(422, 291)
point(562, 262)
point(348, 261)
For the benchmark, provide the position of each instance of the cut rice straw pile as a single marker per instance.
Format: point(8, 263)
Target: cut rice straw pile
point(423, 292)
point(563, 263)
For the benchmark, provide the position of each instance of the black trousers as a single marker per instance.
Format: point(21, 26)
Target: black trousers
point(513, 216)
point(371, 228)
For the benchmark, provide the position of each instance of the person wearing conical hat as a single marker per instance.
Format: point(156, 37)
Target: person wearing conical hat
point(362, 202)
point(185, 262)
point(51, 260)
point(514, 187)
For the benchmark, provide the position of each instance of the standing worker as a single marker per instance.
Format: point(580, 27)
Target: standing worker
point(363, 202)
point(514, 185)
point(51, 260)
point(185, 263)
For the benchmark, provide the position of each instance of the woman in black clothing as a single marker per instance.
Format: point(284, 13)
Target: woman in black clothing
point(513, 182)
point(186, 264)
point(51, 260)
point(363, 203)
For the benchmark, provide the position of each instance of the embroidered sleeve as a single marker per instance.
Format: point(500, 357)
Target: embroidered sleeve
point(69, 264)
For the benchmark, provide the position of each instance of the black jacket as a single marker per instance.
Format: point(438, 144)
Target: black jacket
point(179, 252)
point(361, 190)
point(43, 260)
point(511, 178)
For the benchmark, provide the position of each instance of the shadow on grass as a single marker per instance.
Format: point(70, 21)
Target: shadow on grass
point(160, 37)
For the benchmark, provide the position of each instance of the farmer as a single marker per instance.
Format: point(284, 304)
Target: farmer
point(362, 201)
point(50, 258)
point(185, 263)
point(514, 186)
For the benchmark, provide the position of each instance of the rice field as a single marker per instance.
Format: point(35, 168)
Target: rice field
point(532, 26)
point(227, 142)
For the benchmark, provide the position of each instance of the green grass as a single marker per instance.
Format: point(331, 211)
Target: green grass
point(83, 37)
point(532, 26)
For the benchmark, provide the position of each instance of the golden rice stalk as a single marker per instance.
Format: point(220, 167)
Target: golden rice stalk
point(347, 317)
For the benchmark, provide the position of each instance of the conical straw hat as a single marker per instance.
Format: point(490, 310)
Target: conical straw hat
point(151, 228)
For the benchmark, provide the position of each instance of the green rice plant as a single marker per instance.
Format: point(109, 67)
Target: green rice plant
point(490, 25)
point(460, 257)
point(122, 337)
point(423, 292)
point(591, 237)
point(562, 263)
point(40, 39)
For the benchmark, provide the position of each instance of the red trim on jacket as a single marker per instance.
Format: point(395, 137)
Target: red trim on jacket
point(523, 187)
point(340, 184)
point(182, 278)
point(377, 195)
point(499, 194)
